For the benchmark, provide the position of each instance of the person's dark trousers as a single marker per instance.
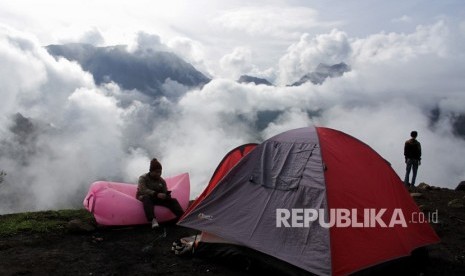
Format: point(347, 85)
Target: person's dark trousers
point(412, 165)
point(171, 203)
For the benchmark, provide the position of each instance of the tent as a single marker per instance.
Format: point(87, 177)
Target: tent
point(313, 197)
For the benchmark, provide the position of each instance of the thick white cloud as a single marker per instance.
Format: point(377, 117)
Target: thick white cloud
point(32, 80)
point(147, 42)
point(237, 63)
point(304, 56)
point(191, 51)
point(395, 47)
point(93, 37)
point(71, 133)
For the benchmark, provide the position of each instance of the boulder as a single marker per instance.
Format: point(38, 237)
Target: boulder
point(424, 186)
point(456, 203)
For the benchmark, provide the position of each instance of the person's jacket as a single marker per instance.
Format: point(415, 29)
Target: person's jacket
point(412, 149)
point(150, 186)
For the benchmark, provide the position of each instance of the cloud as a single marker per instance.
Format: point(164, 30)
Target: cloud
point(273, 21)
point(66, 133)
point(241, 62)
point(305, 55)
point(403, 19)
point(289, 119)
point(190, 50)
point(147, 42)
point(80, 34)
point(395, 47)
point(237, 63)
point(93, 37)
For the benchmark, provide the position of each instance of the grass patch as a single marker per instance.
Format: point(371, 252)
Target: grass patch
point(40, 222)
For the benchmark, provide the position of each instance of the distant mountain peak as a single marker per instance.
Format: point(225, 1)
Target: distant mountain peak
point(250, 79)
point(323, 71)
point(145, 71)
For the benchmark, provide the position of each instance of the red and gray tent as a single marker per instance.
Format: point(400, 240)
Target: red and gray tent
point(311, 168)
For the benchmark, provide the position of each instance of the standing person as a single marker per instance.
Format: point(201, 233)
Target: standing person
point(152, 190)
point(412, 153)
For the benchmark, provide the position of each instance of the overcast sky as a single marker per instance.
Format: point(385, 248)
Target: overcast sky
point(406, 59)
point(264, 28)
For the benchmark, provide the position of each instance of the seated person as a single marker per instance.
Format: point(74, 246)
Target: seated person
point(152, 190)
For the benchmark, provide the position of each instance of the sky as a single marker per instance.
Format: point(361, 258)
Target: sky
point(406, 60)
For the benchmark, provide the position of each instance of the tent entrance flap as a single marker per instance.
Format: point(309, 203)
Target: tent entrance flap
point(281, 165)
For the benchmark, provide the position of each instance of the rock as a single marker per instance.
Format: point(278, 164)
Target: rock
point(78, 226)
point(424, 186)
point(461, 186)
point(148, 249)
point(416, 195)
point(456, 203)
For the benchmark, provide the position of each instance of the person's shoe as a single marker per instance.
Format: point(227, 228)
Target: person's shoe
point(155, 224)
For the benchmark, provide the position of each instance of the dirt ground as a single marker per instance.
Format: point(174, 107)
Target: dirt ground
point(140, 250)
point(137, 250)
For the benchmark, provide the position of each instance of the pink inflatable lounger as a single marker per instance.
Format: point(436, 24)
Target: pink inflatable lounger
point(114, 203)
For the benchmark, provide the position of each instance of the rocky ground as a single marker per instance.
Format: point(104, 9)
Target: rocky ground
point(140, 250)
point(447, 257)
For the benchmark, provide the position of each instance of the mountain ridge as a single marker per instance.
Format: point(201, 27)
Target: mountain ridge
point(322, 72)
point(145, 71)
